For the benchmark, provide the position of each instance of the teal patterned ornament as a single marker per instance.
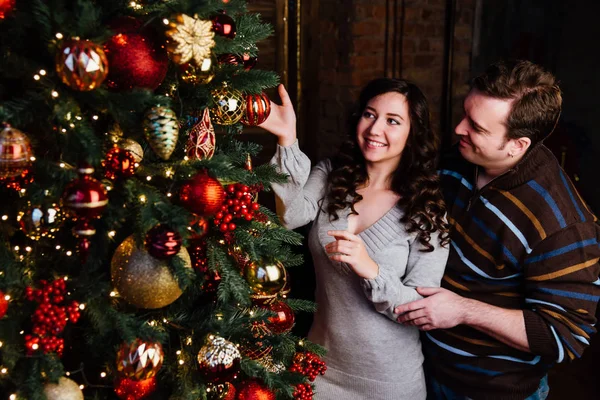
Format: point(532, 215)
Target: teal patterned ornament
point(161, 130)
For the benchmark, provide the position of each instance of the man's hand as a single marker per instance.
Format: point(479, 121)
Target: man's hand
point(440, 309)
point(350, 249)
point(282, 120)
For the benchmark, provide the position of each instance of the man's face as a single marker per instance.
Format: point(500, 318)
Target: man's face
point(482, 132)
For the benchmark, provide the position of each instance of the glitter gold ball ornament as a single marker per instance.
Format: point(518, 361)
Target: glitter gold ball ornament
point(163, 242)
point(219, 359)
point(283, 320)
point(15, 153)
point(224, 25)
point(190, 39)
point(228, 106)
point(161, 130)
point(133, 148)
point(81, 64)
point(139, 360)
point(41, 221)
point(143, 280)
point(254, 390)
point(202, 194)
point(118, 164)
point(257, 109)
point(201, 139)
point(65, 389)
point(200, 74)
point(131, 389)
point(265, 279)
point(3, 304)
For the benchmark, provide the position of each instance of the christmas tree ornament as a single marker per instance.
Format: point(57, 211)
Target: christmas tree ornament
point(133, 147)
point(254, 390)
point(257, 348)
point(41, 221)
point(118, 164)
point(6, 7)
point(224, 25)
point(131, 389)
point(308, 364)
point(257, 109)
point(161, 130)
point(303, 391)
point(219, 359)
point(265, 279)
point(224, 391)
point(283, 320)
point(248, 164)
point(190, 39)
point(81, 64)
point(200, 74)
point(163, 242)
point(249, 61)
point(239, 204)
point(229, 59)
point(198, 228)
point(211, 278)
point(3, 304)
point(270, 365)
point(202, 194)
point(139, 360)
point(136, 57)
point(15, 153)
point(65, 389)
point(201, 139)
point(228, 106)
point(142, 280)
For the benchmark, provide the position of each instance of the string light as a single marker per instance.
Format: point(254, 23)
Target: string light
point(143, 198)
point(81, 387)
point(169, 195)
point(148, 178)
point(66, 278)
point(112, 234)
point(13, 397)
point(42, 72)
point(102, 374)
point(69, 253)
point(3, 370)
point(59, 35)
point(17, 248)
point(113, 293)
point(32, 158)
point(300, 343)
point(57, 247)
point(36, 77)
point(78, 118)
point(35, 346)
point(28, 249)
point(82, 306)
point(181, 362)
point(4, 217)
point(63, 130)
point(1, 344)
point(165, 21)
point(95, 118)
point(67, 373)
point(186, 158)
point(54, 94)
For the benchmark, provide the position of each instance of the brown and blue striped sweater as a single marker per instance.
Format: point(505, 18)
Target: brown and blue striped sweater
point(524, 241)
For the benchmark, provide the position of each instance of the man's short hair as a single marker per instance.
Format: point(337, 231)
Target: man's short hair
point(535, 94)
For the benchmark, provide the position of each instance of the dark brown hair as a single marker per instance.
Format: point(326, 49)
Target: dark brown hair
point(415, 179)
point(535, 93)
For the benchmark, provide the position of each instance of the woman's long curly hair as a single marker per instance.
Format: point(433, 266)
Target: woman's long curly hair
point(415, 180)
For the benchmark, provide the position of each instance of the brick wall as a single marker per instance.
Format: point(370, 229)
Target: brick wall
point(350, 37)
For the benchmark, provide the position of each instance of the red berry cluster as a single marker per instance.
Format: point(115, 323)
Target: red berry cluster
point(50, 317)
point(308, 364)
point(238, 204)
point(303, 391)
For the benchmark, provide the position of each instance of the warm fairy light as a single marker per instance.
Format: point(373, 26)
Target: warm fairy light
point(27, 249)
point(112, 234)
point(17, 248)
point(148, 178)
point(54, 94)
point(36, 77)
point(81, 387)
point(143, 198)
point(21, 333)
point(62, 165)
point(32, 158)
point(95, 117)
point(165, 320)
point(67, 373)
point(82, 306)
point(59, 35)
point(300, 343)
point(211, 337)
point(251, 312)
point(186, 158)
point(113, 293)
point(181, 362)
point(165, 21)
point(13, 397)
point(42, 72)
point(136, 164)
point(168, 172)
point(3, 370)
point(188, 341)
point(152, 323)
point(57, 247)
point(221, 241)
point(72, 125)
point(4, 217)
point(23, 191)
point(169, 194)
point(63, 130)
point(109, 188)
point(35, 346)
point(78, 118)
point(69, 253)
point(1, 344)
point(66, 278)
point(102, 374)
point(178, 352)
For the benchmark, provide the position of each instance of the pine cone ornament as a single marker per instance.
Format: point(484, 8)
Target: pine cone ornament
point(161, 130)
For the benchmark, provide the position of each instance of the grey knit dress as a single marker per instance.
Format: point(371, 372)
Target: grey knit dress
point(370, 356)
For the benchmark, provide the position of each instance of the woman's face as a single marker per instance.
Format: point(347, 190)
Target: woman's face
point(383, 129)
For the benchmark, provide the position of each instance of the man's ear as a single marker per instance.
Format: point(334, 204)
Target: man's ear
point(520, 146)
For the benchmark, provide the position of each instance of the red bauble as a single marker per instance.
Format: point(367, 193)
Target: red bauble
point(197, 252)
point(229, 59)
point(283, 321)
point(135, 57)
point(15, 153)
point(85, 197)
point(202, 195)
point(129, 389)
point(6, 6)
point(163, 242)
point(118, 163)
point(254, 390)
point(224, 25)
point(3, 304)
point(249, 61)
point(257, 109)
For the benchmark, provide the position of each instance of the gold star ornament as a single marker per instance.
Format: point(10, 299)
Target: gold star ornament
point(190, 39)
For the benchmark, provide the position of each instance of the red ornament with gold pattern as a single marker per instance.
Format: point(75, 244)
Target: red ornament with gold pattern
point(131, 389)
point(81, 64)
point(283, 320)
point(118, 163)
point(257, 348)
point(15, 154)
point(85, 198)
point(139, 360)
point(257, 109)
point(202, 194)
point(6, 7)
point(254, 390)
point(201, 139)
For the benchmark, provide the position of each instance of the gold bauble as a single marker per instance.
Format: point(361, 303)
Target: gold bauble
point(139, 360)
point(132, 147)
point(198, 75)
point(229, 106)
point(66, 389)
point(41, 221)
point(265, 279)
point(15, 152)
point(142, 280)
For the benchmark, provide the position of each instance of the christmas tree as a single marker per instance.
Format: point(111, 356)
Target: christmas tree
point(135, 260)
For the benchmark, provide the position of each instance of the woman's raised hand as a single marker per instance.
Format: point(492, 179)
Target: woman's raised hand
point(282, 119)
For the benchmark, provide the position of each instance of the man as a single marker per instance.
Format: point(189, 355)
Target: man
point(521, 284)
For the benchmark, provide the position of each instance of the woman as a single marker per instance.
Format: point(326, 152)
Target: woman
point(378, 234)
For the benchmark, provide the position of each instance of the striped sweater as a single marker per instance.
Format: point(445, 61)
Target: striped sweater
point(524, 241)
